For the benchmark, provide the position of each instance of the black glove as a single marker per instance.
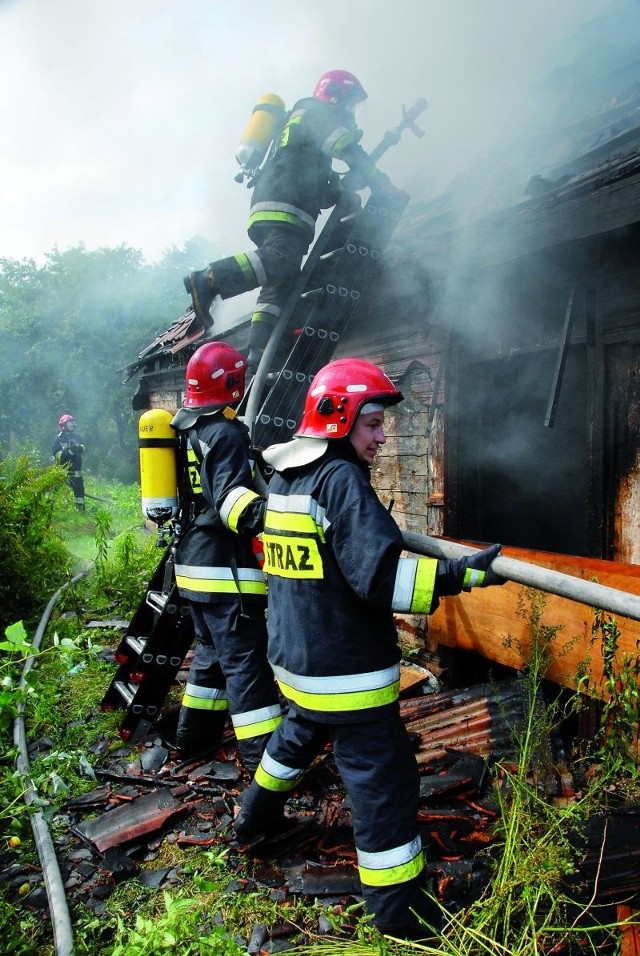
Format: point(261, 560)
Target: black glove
point(477, 571)
point(457, 574)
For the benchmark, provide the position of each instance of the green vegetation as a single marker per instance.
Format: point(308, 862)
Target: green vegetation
point(527, 910)
point(68, 328)
point(617, 737)
point(28, 501)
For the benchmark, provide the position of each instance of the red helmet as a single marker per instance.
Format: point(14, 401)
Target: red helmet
point(338, 86)
point(215, 376)
point(64, 419)
point(337, 395)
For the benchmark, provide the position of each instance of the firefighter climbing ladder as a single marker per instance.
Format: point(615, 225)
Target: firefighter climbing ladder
point(331, 284)
point(340, 265)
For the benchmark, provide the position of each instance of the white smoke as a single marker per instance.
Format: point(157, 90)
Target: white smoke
point(119, 121)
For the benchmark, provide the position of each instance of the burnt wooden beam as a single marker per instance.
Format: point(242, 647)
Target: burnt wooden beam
point(561, 359)
point(595, 387)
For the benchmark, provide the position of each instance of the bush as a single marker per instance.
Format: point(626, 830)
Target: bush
point(34, 561)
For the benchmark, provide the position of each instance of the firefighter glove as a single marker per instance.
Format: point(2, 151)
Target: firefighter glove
point(477, 569)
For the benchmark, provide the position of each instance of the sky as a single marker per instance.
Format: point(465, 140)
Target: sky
point(119, 121)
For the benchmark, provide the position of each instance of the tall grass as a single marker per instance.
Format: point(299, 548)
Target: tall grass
point(527, 909)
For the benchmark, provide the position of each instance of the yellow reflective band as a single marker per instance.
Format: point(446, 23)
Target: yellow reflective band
point(193, 469)
point(245, 731)
point(264, 317)
point(219, 585)
point(422, 597)
point(237, 509)
point(276, 784)
point(204, 703)
point(341, 144)
point(245, 267)
point(473, 578)
point(392, 875)
point(295, 119)
point(330, 703)
point(293, 521)
point(291, 557)
point(275, 217)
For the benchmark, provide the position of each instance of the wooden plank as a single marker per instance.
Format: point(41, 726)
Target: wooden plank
point(489, 621)
point(630, 934)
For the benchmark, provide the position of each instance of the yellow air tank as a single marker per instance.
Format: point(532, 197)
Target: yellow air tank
point(256, 139)
point(158, 443)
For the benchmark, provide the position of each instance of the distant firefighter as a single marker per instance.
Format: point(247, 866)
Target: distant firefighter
point(67, 450)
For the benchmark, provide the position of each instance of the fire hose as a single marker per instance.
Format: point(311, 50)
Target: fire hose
point(58, 908)
point(532, 575)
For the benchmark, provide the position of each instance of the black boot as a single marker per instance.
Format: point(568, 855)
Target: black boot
point(253, 360)
point(199, 732)
point(201, 288)
point(250, 751)
point(261, 813)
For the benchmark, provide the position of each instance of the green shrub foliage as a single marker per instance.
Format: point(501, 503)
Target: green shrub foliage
point(34, 561)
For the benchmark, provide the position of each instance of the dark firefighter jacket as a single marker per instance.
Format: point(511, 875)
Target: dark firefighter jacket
point(215, 561)
point(297, 181)
point(336, 575)
point(68, 449)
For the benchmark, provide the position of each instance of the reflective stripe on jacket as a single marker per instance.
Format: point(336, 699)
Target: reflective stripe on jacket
point(294, 185)
point(214, 556)
point(333, 560)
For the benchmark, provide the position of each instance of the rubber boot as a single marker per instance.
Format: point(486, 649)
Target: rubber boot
point(201, 288)
point(253, 360)
point(251, 750)
point(261, 813)
point(199, 732)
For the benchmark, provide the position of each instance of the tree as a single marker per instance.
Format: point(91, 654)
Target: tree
point(67, 329)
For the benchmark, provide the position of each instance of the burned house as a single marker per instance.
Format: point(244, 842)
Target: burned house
point(507, 311)
point(510, 324)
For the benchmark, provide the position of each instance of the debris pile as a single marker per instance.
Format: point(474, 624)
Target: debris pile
point(147, 795)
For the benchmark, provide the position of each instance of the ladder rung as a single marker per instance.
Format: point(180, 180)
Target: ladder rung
point(136, 644)
point(156, 600)
point(332, 254)
point(125, 690)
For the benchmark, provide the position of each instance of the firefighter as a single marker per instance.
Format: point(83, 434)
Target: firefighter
point(67, 450)
point(216, 567)
point(296, 182)
point(336, 576)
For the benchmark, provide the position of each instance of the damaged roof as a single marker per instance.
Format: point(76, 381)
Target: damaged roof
point(573, 180)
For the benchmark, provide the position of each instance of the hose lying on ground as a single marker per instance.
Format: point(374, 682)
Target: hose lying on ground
point(60, 918)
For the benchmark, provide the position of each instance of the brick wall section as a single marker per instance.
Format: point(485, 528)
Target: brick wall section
point(408, 469)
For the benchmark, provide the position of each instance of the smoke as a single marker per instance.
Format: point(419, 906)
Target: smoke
point(120, 121)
